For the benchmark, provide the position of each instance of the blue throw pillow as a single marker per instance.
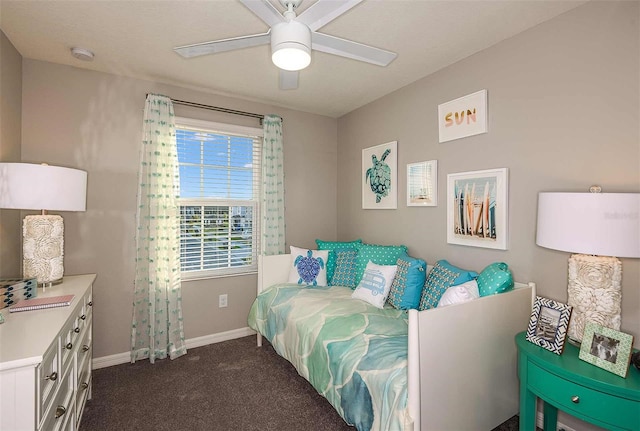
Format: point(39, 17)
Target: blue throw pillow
point(407, 285)
point(332, 246)
point(440, 278)
point(378, 254)
point(345, 272)
point(495, 278)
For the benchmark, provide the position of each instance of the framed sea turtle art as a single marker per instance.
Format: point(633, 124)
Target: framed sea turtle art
point(380, 176)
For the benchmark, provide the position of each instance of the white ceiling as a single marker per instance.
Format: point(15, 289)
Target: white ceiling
point(135, 38)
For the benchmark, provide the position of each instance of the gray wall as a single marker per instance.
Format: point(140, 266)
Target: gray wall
point(93, 121)
point(10, 132)
point(563, 114)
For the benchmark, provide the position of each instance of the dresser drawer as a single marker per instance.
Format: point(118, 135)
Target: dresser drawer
point(69, 337)
point(588, 402)
point(87, 305)
point(84, 382)
point(48, 378)
point(62, 406)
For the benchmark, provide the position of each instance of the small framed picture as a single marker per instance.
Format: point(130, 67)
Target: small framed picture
point(606, 348)
point(548, 324)
point(422, 184)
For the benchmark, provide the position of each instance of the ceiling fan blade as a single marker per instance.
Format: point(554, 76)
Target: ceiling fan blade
point(288, 79)
point(264, 10)
point(324, 11)
point(346, 48)
point(222, 45)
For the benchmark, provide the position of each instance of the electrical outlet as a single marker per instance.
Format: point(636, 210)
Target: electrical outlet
point(222, 301)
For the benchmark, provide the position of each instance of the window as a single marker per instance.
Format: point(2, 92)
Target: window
point(219, 197)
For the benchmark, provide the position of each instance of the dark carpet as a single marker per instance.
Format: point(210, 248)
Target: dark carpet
point(232, 385)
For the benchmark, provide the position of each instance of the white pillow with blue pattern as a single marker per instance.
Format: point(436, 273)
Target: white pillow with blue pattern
point(308, 267)
point(375, 284)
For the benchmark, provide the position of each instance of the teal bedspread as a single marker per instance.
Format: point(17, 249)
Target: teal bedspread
point(353, 353)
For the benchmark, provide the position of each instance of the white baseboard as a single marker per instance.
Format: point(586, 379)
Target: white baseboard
point(559, 427)
point(123, 358)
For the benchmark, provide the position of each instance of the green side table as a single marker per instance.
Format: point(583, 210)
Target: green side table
point(576, 387)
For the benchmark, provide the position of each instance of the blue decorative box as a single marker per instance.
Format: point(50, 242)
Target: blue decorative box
point(16, 289)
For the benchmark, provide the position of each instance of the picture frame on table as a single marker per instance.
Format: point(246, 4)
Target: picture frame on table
point(548, 324)
point(422, 184)
point(477, 208)
point(380, 176)
point(606, 348)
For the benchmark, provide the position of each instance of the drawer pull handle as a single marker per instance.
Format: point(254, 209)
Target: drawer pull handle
point(83, 317)
point(69, 346)
point(53, 377)
point(575, 399)
point(90, 303)
point(84, 385)
point(85, 348)
point(76, 330)
point(60, 411)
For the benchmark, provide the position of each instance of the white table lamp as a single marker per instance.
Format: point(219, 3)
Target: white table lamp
point(598, 226)
point(29, 186)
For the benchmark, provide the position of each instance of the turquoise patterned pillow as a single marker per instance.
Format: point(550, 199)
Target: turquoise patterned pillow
point(345, 272)
point(440, 278)
point(378, 254)
point(407, 286)
point(495, 278)
point(332, 246)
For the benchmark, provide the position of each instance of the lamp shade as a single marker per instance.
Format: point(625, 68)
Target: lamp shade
point(30, 186)
point(604, 224)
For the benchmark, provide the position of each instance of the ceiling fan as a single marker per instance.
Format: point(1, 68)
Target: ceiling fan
point(293, 37)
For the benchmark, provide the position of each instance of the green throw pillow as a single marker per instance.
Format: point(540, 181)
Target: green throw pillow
point(332, 246)
point(378, 254)
point(495, 278)
point(345, 272)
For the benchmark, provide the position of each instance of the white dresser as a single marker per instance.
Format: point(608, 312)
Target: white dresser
point(45, 361)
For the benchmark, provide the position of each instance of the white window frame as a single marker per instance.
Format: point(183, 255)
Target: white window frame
point(257, 224)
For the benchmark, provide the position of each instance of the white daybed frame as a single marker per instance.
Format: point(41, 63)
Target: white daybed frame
point(462, 359)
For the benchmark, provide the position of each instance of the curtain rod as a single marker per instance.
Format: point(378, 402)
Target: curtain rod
point(218, 109)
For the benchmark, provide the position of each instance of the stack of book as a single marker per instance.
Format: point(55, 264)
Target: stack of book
point(42, 303)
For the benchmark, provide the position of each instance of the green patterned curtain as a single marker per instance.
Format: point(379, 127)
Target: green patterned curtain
point(157, 328)
point(272, 187)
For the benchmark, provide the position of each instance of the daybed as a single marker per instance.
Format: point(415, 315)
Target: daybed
point(447, 368)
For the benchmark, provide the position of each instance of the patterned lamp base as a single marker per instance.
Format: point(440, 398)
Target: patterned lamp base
point(595, 293)
point(42, 248)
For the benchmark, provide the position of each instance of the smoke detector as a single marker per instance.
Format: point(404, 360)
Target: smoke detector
point(82, 54)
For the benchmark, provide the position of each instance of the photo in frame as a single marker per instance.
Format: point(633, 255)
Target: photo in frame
point(548, 324)
point(380, 176)
point(477, 208)
point(422, 184)
point(462, 117)
point(606, 348)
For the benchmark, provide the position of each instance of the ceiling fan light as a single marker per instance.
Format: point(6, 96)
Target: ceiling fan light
point(291, 45)
point(291, 56)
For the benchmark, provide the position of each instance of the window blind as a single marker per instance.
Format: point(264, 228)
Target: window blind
point(219, 198)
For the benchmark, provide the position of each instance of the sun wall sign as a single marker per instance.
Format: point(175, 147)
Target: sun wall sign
point(462, 117)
